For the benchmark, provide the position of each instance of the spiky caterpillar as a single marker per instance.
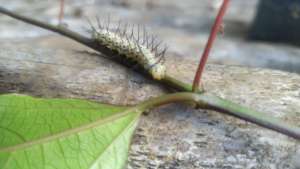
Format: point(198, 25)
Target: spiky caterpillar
point(141, 50)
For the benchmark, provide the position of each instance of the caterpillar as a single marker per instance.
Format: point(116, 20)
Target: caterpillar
point(145, 51)
point(140, 48)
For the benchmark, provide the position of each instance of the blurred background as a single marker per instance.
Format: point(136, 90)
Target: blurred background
point(257, 33)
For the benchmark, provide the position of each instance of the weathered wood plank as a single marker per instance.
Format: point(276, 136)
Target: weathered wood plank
point(174, 136)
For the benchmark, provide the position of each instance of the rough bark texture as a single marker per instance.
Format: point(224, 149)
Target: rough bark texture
point(173, 136)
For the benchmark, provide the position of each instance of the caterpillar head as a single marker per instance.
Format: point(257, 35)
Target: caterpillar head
point(158, 71)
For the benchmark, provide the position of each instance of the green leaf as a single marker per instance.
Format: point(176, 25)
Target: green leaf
point(63, 133)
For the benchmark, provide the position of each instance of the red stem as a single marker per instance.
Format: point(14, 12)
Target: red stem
point(61, 10)
point(213, 34)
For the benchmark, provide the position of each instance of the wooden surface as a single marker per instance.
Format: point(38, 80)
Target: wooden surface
point(173, 136)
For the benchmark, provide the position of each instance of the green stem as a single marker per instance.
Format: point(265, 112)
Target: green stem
point(209, 102)
point(60, 30)
point(169, 81)
point(176, 84)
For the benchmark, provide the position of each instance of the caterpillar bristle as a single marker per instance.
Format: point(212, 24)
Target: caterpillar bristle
point(133, 43)
point(99, 22)
point(108, 22)
point(157, 45)
point(138, 33)
point(132, 33)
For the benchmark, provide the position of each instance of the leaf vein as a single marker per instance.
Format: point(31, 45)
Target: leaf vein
point(70, 131)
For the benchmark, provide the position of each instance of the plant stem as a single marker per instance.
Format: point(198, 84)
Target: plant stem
point(214, 31)
point(169, 81)
point(60, 30)
point(176, 84)
point(206, 101)
point(61, 11)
